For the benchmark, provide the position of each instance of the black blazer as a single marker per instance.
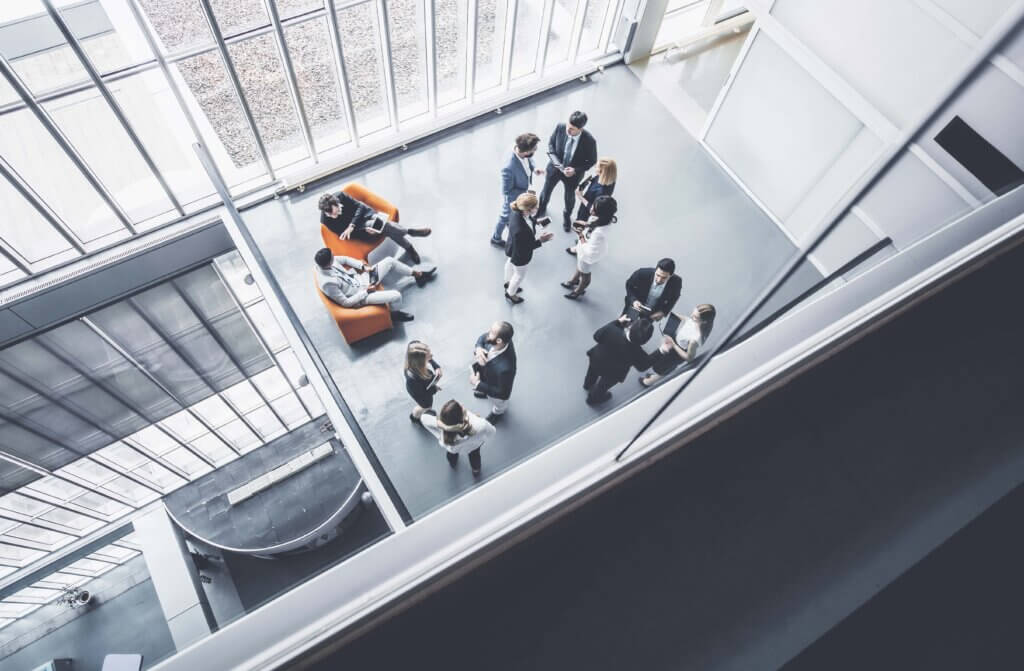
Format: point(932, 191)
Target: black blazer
point(639, 284)
point(522, 239)
point(352, 211)
point(592, 193)
point(498, 374)
point(417, 387)
point(583, 158)
point(614, 353)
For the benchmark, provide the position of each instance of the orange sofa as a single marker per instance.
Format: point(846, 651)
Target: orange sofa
point(357, 323)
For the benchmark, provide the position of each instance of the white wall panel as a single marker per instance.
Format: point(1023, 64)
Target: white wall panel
point(777, 129)
point(910, 201)
point(848, 239)
point(978, 16)
point(895, 54)
point(993, 105)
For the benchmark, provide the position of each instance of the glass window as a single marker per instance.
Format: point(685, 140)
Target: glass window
point(56, 488)
point(529, 16)
point(450, 25)
point(79, 524)
point(408, 56)
point(9, 609)
point(184, 425)
point(311, 400)
point(24, 229)
point(593, 25)
point(289, 8)
point(45, 537)
point(263, 80)
point(215, 411)
point(58, 580)
point(120, 455)
point(89, 566)
point(214, 449)
point(360, 42)
point(89, 471)
point(115, 553)
point(290, 410)
point(128, 489)
point(225, 129)
point(108, 45)
point(101, 505)
point(309, 46)
point(238, 16)
point(44, 69)
point(235, 272)
point(157, 476)
point(241, 436)
point(22, 505)
point(153, 112)
point(243, 396)
point(265, 422)
point(272, 383)
point(490, 42)
point(267, 326)
point(559, 38)
point(179, 24)
point(13, 555)
point(153, 440)
point(44, 165)
point(185, 461)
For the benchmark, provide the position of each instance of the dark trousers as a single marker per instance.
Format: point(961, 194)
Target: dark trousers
point(391, 230)
point(596, 384)
point(474, 458)
point(552, 177)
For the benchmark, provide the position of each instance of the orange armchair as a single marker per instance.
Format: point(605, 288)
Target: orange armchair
point(357, 323)
point(358, 249)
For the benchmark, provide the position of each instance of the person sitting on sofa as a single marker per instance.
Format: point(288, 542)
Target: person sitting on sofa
point(352, 284)
point(349, 218)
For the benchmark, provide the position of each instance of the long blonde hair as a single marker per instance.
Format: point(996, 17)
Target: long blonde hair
point(607, 171)
point(525, 202)
point(416, 356)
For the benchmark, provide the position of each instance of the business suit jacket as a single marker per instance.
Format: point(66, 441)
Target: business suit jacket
point(639, 284)
point(342, 286)
point(592, 192)
point(498, 374)
point(514, 181)
point(614, 353)
point(522, 239)
point(583, 157)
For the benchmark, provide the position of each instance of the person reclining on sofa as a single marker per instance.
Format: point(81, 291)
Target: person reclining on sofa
point(352, 284)
point(349, 218)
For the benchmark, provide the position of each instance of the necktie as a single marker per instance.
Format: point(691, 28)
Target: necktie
point(568, 150)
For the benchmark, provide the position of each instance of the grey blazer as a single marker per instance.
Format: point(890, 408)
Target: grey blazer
point(513, 180)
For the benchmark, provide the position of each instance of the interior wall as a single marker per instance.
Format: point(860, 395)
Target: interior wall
point(824, 87)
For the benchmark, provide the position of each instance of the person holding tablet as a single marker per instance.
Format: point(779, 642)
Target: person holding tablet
point(653, 292)
point(422, 374)
point(683, 337)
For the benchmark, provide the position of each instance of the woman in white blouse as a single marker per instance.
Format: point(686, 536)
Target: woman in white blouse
point(592, 246)
point(692, 333)
point(459, 431)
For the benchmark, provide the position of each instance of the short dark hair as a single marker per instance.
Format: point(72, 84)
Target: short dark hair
point(641, 331)
point(605, 208)
point(505, 332)
point(526, 142)
point(668, 265)
point(324, 258)
point(327, 201)
point(578, 119)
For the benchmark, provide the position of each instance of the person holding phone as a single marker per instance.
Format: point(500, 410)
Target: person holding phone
point(601, 183)
point(682, 345)
point(422, 375)
point(516, 178)
point(592, 245)
point(347, 218)
point(653, 292)
point(522, 240)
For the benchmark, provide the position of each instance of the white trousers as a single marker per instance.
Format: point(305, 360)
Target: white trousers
point(390, 297)
point(514, 276)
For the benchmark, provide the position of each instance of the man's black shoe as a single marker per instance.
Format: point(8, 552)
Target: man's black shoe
point(595, 400)
point(498, 242)
point(518, 289)
point(493, 418)
point(425, 276)
point(401, 316)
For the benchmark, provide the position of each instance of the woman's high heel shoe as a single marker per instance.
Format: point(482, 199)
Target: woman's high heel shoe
point(514, 300)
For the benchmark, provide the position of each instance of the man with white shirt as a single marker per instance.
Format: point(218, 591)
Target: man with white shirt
point(571, 152)
point(515, 180)
point(494, 368)
point(352, 284)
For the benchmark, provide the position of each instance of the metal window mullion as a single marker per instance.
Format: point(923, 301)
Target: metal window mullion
point(21, 491)
point(59, 92)
point(236, 83)
point(33, 523)
point(219, 339)
point(62, 141)
point(124, 401)
point(14, 258)
point(545, 37)
point(511, 21)
point(109, 339)
point(339, 62)
point(576, 34)
point(42, 393)
point(430, 26)
point(290, 78)
point(259, 336)
point(390, 89)
point(472, 17)
point(20, 543)
point(97, 81)
point(39, 205)
point(614, 13)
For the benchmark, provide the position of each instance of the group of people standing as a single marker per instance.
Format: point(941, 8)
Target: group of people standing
point(589, 208)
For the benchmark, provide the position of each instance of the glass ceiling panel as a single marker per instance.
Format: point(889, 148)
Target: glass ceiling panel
point(24, 229)
point(238, 16)
point(178, 24)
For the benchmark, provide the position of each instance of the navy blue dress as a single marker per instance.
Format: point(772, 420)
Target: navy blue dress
point(590, 194)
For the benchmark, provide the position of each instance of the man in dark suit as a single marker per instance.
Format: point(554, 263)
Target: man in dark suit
point(571, 152)
point(653, 292)
point(620, 344)
point(494, 368)
point(515, 179)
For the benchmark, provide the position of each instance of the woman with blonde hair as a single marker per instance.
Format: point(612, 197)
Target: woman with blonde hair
point(601, 183)
point(691, 334)
point(422, 374)
point(459, 431)
point(522, 240)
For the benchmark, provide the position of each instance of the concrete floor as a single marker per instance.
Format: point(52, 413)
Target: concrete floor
point(674, 201)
